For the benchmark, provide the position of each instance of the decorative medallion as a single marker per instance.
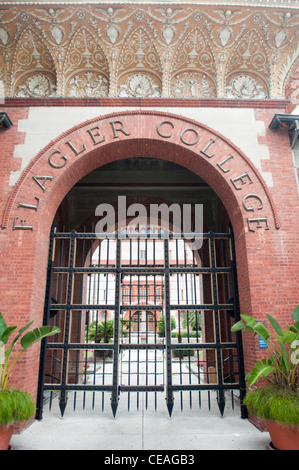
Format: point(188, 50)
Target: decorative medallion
point(245, 87)
point(38, 85)
point(139, 85)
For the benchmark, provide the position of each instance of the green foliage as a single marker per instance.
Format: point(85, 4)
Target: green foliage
point(192, 320)
point(26, 340)
point(283, 363)
point(274, 403)
point(101, 332)
point(183, 352)
point(15, 406)
point(162, 325)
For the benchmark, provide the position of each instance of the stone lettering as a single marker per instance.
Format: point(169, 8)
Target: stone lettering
point(54, 165)
point(76, 152)
point(118, 129)
point(29, 206)
point(190, 143)
point(166, 130)
point(252, 208)
point(167, 136)
point(44, 179)
point(258, 221)
point(241, 179)
point(93, 136)
point(22, 226)
point(220, 165)
point(204, 151)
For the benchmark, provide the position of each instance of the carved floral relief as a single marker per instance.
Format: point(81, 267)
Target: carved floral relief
point(147, 50)
point(33, 70)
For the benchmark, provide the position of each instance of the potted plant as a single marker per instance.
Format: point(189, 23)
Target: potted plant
point(15, 405)
point(277, 402)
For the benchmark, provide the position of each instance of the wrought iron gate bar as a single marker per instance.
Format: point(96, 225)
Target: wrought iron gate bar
point(169, 394)
point(144, 306)
point(115, 390)
point(203, 346)
point(112, 305)
point(144, 236)
point(142, 270)
point(84, 306)
point(221, 397)
point(92, 347)
point(82, 388)
point(197, 387)
point(63, 397)
point(201, 307)
point(141, 346)
point(141, 388)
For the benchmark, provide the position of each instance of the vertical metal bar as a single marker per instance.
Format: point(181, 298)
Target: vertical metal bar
point(169, 392)
point(63, 393)
point(221, 396)
point(242, 383)
point(43, 354)
point(115, 378)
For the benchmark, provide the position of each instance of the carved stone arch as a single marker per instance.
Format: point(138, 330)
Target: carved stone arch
point(86, 68)
point(139, 71)
point(33, 71)
point(248, 70)
point(193, 70)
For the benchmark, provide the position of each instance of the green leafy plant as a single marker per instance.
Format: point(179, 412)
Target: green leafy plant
point(192, 320)
point(281, 368)
point(280, 404)
point(15, 406)
point(7, 362)
point(101, 332)
point(161, 325)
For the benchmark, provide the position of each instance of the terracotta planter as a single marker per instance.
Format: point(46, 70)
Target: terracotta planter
point(5, 436)
point(283, 437)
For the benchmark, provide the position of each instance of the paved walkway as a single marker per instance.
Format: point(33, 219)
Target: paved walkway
point(142, 429)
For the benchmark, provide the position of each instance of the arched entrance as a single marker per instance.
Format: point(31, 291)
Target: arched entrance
point(143, 307)
point(140, 136)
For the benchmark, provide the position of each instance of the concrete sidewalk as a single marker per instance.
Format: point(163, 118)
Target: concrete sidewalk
point(143, 429)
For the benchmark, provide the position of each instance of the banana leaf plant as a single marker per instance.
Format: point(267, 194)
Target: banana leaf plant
point(26, 340)
point(281, 368)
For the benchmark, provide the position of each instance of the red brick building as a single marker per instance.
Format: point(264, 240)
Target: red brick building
point(186, 103)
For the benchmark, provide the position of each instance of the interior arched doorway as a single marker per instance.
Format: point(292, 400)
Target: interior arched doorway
point(141, 137)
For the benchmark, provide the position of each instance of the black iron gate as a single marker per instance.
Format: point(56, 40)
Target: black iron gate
point(141, 312)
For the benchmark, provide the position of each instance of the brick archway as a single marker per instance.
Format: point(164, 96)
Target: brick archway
point(51, 174)
point(54, 171)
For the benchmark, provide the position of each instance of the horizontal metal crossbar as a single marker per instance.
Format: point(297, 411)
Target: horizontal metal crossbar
point(194, 387)
point(141, 346)
point(142, 270)
point(141, 388)
point(202, 346)
point(74, 388)
point(90, 346)
point(82, 306)
point(141, 236)
point(201, 307)
point(142, 306)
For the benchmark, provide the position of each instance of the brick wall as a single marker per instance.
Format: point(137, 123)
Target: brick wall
point(266, 258)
